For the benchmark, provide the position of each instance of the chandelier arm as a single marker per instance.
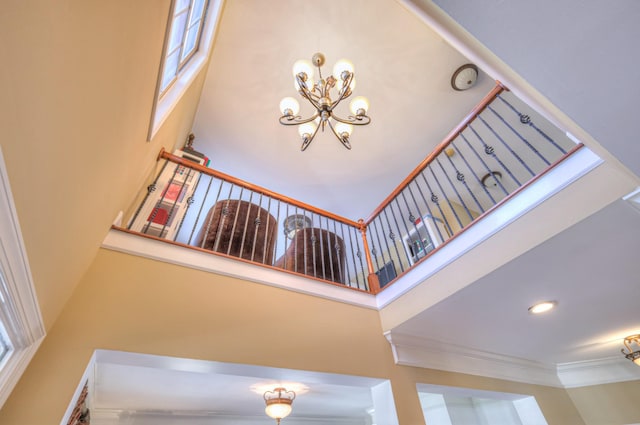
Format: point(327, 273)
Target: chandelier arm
point(343, 140)
point(307, 141)
point(346, 92)
point(306, 93)
point(297, 120)
point(361, 120)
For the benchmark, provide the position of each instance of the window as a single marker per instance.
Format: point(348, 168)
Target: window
point(190, 31)
point(184, 38)
point(21, 328)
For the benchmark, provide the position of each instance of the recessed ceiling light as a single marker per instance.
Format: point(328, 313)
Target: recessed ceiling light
point(542, 307)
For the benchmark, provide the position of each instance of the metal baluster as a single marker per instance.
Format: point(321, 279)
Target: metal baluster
point(329, 247)
point(353, 253)
point(155, 209)
point(359, 255)
point(373, 243)
point(223, 216)
point(506, 145)
point(320, 232)
point(490, 151)
point(525, 119)
point(312, 239)
point(520, 136)
point(344, 274)
point(404, 223)
point(172, 211)
point(375, 225)
point(205, 229)
point(395, 220)
point(189, 202)
point(257, 222)
point(150, 189)
point(461, 178)
point(195, 223)
point(333, 252)
point(486, 166)
point(285, 234)
point(246, 224)
point(453, 186)
point(295, 245)
point(393, 237)
point(412, 219)
point(235, 221)
point(266, 233)
point(446, 198)
point(429, 210)
point(478, 179)
point(436, 200)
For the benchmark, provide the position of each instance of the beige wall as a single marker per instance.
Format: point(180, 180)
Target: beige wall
point(78, 81)
point(609, 404)
point(200, 315)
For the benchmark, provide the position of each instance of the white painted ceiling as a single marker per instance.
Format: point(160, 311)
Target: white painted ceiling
point(401, 66)
point(404, 69)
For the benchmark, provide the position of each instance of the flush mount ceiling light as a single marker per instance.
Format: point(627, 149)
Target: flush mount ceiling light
point(542, 307)
point(278, 403)
point(492, 179)
point(464, 77)
point(632, 355)
point(318, 93)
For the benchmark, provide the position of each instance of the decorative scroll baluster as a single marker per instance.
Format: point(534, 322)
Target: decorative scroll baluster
point(486, 167)
point(223, 216)
point(206, 194)
point(343, 270)
point(235, 222)
point(157, 207)
point(246, 222)
point(150, 189)
point(393, 237)
point(520, 136)
point(359, 255)
point(506, 145)
point(525, 119)
point(489, 150)
point(461, 178)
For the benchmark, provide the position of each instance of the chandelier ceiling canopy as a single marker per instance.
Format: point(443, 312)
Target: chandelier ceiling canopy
point(318, 93)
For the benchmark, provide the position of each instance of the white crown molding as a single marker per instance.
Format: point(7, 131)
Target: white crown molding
point(431, 354)
point(419, 352)
point(596, 372)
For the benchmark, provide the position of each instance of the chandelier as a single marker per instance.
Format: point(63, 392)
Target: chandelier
point(318, 93)
point(632, 355)
point(278, 403)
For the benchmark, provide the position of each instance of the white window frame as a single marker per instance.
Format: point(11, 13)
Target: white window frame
point(165, 101)
point(22, 321)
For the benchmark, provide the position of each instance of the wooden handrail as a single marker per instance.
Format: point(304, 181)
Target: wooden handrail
point(499, 88)
point(259, 189)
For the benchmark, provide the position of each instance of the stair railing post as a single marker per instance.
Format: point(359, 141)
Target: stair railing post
point(372, 278)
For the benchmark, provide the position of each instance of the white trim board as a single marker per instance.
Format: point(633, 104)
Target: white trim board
point(14, 265)
point(411, 351)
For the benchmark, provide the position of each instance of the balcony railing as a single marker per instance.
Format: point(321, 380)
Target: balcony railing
point(496, 151)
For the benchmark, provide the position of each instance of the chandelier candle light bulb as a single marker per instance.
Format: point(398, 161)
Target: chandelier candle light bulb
point(319, 95)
